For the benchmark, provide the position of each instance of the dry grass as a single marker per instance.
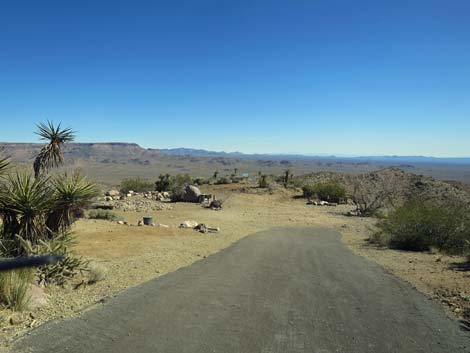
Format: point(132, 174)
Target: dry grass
point(14, 287)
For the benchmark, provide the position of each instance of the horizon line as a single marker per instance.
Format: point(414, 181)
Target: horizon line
point(299, 154)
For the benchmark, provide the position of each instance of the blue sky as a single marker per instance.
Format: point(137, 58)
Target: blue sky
point(337, 77)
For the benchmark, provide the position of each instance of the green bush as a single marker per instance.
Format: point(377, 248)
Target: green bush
point(14, 286)
point(418, 226)
point(163, 183)
point(330, 191)
point(103, 214)
point(177, 184)
point(136, 184)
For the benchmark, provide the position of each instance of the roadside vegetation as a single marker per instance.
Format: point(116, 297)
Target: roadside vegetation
point(421, 226)
point(14, 287)
point(37, 212)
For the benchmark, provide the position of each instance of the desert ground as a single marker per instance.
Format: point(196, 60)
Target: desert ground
point(124, 256)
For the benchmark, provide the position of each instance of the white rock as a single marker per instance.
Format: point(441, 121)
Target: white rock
point(188, 224)
point(112, 192)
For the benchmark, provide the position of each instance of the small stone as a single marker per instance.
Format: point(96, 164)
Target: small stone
point(120, 222)
point(16, 319)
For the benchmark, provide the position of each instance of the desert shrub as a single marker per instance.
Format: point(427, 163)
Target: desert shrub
point(181, 179)
point(177, 193)
point(135, 184)
point(163, 183)
point(95, 273)
point(372, 195)
point(325, 191)
point(418, 226)
point(14, 286)
point(263, 181)
point(224, 180)
point(200, 181)
point(59, 272)
point(297, 183)
point(177, 185)
point(103, 214)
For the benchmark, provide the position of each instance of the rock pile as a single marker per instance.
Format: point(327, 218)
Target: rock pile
point(136, 203)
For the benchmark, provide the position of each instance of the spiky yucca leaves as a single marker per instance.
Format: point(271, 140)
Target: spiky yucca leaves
point(51, 155)
point(3, 165)
point(24, 203)
point(71, 193)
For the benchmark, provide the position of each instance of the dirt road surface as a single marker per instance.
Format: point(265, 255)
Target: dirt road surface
point(285, 290)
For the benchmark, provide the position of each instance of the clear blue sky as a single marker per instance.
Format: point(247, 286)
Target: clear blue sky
point(340, 77)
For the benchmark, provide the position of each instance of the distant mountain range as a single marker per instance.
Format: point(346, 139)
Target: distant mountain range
point(109, 163)
point(122, 151)
point(401, 159)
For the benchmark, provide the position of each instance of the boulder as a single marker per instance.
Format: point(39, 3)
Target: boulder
point(112, 193)
point(191, 194)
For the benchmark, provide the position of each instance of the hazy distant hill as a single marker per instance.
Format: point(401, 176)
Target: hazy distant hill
point(111, 162)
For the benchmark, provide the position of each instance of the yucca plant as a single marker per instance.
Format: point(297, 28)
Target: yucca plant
point(3, 165)
point(71, 193)
point(25, 202)
point(51, 154)
point(37, 211)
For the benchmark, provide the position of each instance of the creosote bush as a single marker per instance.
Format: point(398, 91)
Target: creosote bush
point(103, 214)
point(326, 191)
point(418, 226)
point(136, 184)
